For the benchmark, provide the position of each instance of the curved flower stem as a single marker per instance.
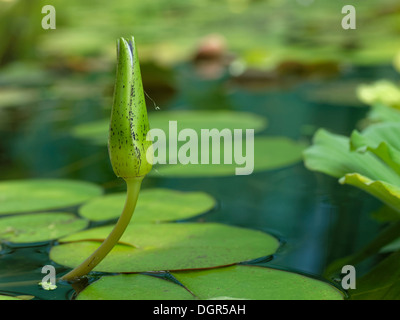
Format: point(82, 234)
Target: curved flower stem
point(133, 188)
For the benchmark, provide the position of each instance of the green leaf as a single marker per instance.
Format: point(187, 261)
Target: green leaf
point(168, 246)
point(228, 283)
point(391, 247)
point(381, 92)
point(385, 214)
point(381, 283)
point(269, 153)
point(18, 196)
point(380, 112)
point(153, 206)
point(331, 154)
point(4, 297)
point(134, 287)
point(39, 227)
point(255, 283)
point(386, 192)
point(97, 131)
point(382, 140)
point(16, 97)
point(396, 61)
point(385, 237)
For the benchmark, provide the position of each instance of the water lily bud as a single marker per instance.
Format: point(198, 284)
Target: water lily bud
point(127, 144)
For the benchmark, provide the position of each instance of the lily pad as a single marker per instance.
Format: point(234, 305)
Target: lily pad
point(97, 131)
point(17, 196)
point(39, 227)
point(12, 97)
point(4, 297)
point(134, 287)
point(153, 206)
point(167, 246)
point(255, 283)
point(227, 283)
point(269, 153)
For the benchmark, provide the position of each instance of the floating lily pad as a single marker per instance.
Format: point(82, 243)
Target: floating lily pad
point(228, 283)
point(134, 287)
point(154, 205)
point(4, 297)
point(269, 153)
point(44, 194)
point(169, 246)
point(255, 283)
point(97, 132)
point(39, 227)
point(12, 97)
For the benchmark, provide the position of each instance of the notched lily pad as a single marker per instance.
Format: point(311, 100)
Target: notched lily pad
point(168, 246)
point(227, 283)
point(153, 206)
point(39, 227)
point(255, 283)
point(134, 287)
point(17, 196)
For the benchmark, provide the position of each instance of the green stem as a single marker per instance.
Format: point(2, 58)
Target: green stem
point(133, 188)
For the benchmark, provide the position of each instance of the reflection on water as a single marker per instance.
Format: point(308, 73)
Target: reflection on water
point(316, 219)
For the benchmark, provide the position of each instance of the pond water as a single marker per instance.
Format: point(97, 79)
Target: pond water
point(317, 219)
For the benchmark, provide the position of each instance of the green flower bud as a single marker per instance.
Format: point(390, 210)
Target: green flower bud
point(127, 143)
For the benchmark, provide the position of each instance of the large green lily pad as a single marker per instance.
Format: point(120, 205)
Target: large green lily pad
point(255, 283)
point(168, 246)
point(39, 227)
point(237, 282)
point(134, 287)
point(269, 153)
point(154, 205)
point(4, 297)
point(97, 131)
point(44, 194)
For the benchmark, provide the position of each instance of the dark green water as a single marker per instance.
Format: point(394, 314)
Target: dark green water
point(316, 219)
